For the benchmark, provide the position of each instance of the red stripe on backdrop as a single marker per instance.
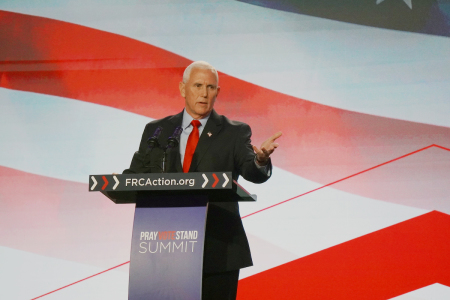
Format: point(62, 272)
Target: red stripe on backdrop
point(63, 59)
point(320, 143)
point(380, 265)
point(61, 219)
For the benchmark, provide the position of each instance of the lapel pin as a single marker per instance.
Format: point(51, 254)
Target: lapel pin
point(209, 134)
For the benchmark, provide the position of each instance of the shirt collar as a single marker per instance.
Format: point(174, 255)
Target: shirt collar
point(187, 119)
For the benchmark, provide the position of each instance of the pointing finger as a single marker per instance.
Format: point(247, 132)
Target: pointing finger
point(275, 136)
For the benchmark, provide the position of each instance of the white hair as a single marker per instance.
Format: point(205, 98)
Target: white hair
point(198, 65)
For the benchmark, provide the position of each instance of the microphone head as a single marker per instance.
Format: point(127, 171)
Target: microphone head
point(174, 140)
point(153, 140)
point(157, 132)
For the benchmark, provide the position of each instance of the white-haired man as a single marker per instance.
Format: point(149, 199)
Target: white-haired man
point(219, 145)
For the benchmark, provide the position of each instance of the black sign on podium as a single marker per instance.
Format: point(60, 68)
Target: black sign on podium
point(169, 227)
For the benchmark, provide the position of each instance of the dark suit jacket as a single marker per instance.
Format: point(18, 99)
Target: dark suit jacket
point(226, 149)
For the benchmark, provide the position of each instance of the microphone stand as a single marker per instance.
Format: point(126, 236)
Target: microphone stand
point(164, 161)
point(172, 143)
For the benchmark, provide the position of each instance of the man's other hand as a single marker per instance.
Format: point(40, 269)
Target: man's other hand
point(266, 149)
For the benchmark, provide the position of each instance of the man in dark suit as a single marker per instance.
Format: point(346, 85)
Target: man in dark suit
point(211, 143)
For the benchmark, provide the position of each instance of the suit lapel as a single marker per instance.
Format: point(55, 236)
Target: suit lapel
point(209, 134)
point(176, 120)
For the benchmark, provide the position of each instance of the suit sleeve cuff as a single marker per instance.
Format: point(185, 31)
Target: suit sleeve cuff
point(263, 169)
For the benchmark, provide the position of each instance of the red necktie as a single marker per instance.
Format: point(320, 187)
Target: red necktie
point(191, 145)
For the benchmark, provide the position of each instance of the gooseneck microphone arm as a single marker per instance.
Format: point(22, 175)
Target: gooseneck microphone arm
point(153, 143)
point(172, 142)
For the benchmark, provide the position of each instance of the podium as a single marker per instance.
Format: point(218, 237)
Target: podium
point(168, 237)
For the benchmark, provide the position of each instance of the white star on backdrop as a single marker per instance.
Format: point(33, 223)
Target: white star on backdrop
point(408, 2)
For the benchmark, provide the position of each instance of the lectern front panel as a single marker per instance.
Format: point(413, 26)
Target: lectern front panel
point(167, 249)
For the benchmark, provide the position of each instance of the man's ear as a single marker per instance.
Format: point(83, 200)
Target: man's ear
point(182, 88)
point(218, 91)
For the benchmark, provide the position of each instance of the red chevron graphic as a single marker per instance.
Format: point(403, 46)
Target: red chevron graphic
point(216, 180)
point(106, 182)
point(380, 265)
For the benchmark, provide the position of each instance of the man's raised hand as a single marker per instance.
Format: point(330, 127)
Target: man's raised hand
point(266, 149)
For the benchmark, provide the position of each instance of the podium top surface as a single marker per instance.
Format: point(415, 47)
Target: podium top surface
point(124, 188)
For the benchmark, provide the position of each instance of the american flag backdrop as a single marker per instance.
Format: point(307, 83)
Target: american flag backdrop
point(358, 206)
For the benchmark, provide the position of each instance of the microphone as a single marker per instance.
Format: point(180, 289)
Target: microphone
point(152, 141)
point(174, 140)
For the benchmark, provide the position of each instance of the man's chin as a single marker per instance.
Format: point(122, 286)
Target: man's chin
point(202, 113)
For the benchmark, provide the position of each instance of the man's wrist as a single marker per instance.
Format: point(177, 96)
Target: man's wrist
point(260, 162)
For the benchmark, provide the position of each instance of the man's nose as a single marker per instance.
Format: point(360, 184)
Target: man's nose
point(204, 91)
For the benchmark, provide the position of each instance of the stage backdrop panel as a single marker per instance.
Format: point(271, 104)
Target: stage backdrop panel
point(358, 203)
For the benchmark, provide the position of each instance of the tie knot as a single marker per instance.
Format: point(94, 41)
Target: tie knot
point(196, 123)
